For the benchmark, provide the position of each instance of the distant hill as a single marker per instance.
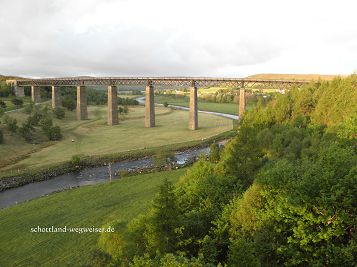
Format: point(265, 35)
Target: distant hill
point(4, 78)
point(292, 76)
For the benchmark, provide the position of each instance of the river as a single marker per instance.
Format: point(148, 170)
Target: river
point(95, 175)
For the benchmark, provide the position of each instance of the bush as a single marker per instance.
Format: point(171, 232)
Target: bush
point(29, 108)
point(26, 131)
point(35, 119)
point(164, 158)
point(46, 123)
point(166, 104)
point(11, 124)
point(125, 109)
point(214, 153)
point(76, 160)
point(1, 137)
point(127, 101)
point(17, 102)
point(5, 90)
point(100, 258)
point(2, 104)
point(69, 103)
point(120, 110)
point(54, 133)
point(59, 113)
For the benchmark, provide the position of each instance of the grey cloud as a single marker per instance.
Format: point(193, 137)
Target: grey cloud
point(40, 41)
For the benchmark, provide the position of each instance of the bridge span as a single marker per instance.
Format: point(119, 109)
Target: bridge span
point(112, 82)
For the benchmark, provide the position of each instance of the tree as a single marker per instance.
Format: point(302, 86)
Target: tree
point(125, 109)
point(214, 153)
point(11, 123)
point(165, 217)
point(120, 110)
point(26, 131)
point(69, 103)
point(59, 113)
point(163, 158)
point(53, 133)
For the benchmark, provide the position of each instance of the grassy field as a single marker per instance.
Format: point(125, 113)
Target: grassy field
point(10, 105)
point(94, 137)
point(229, 108)
point(87, 206)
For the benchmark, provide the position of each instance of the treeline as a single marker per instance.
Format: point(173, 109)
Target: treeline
point(5, 89)
point(282, 192)
point(221, 96)
point(94, 97)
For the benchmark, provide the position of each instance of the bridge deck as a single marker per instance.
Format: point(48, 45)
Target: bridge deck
point(162, 81)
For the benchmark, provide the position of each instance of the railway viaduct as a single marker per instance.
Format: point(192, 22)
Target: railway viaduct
point(150, 82)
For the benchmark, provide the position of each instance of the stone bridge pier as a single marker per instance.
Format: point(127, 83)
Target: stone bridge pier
point(149, 106)
point(56, 97)
point(241, 102)
point(35, 94)
point(193, 112)
point(82, 112)
point(112, 105)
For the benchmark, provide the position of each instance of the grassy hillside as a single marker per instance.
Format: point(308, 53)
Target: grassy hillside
point(82, 207)
point(229, 108)
point(95, 137)
point(292, 76)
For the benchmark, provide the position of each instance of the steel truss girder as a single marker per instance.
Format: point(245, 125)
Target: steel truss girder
point(164, 81)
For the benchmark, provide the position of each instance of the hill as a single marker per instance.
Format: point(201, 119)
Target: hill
point(277, 76)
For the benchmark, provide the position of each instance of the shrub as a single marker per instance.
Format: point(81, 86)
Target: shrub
point(11, 124)
point(127, 101)
point(120, 110)
point(76, 160)
point(29, 108)
point(17, 102)
point(125, 109)
point(214, 153)
point(35, 119)
point(46, 123)
point(166, 104)
point(59, 113)
point(100, 258)
point(5, 90)
point(1, 137)
point(26, 131)
point(2, 104)
point(54, 133)
point(69, 103)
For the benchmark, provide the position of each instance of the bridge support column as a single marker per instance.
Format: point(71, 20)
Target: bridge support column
point(149, 106)
point(82, 113)
point(35, 94)
point(19, 91)
point(112, 105)
point(193, 113)
point(56, 97)
point(241, 102)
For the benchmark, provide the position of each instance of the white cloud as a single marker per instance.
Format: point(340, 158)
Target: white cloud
point(187, 37)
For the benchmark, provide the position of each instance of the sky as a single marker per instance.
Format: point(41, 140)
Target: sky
point(222, 38)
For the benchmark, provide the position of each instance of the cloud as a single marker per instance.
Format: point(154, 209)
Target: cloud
point(175, 38)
